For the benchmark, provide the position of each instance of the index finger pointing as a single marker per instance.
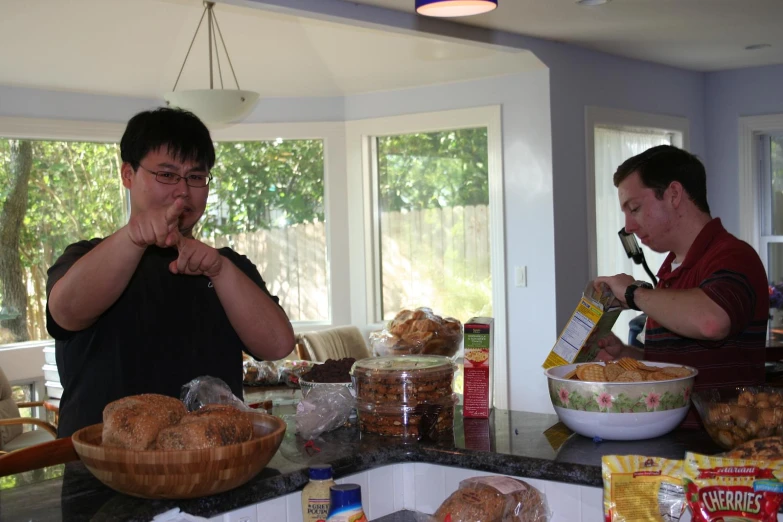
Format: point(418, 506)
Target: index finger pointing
point(174, 211)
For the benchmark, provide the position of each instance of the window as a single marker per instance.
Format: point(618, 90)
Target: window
point(52, 193)
point(267, 202)
point(613, 145)
point(771, 208)
point(432, 192)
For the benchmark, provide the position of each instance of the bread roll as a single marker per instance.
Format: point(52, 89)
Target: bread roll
point(213, 425)
point(134, 422)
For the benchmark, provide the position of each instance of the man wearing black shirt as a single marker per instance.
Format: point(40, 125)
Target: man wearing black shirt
point(149, 308)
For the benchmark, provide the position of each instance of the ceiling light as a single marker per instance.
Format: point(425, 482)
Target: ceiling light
point(755, 47)
point(213, 105)
point(452, 8)
point(592, 2)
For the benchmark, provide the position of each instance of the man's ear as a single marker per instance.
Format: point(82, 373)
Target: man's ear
point(127, 173)
point(675, 193)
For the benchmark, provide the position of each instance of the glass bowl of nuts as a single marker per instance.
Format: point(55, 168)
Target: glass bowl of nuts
point(735, 415)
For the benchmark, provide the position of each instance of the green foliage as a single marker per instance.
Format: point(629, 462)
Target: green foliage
point(74, 193)
point(263, 185)
point(434, 170)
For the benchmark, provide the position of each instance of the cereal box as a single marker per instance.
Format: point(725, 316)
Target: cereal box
point(477, 398)
point(592, 320)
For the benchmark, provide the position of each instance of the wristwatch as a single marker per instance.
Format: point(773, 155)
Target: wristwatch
point(631, 290)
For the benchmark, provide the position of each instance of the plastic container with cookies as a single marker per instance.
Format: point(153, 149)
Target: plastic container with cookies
point(395, 393)
point(735, 415)
point(418, 332)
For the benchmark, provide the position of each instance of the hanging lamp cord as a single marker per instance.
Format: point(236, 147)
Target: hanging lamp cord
point(212, 20)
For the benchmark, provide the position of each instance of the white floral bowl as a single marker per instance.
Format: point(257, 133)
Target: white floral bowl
point(620, 411)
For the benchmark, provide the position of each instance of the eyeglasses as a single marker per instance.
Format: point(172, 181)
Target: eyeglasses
point(171, 178)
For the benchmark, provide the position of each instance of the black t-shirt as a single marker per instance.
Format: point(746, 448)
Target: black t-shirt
point(164, 330)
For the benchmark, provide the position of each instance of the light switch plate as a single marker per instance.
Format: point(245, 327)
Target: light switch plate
point(520, 276)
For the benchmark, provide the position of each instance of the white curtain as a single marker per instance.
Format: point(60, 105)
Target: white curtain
point(612, 147)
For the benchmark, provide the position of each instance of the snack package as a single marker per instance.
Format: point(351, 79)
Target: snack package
point(259, 373)
point(292, 371)
point(642, 489)
point(722, 489)
point(493, 499)
point(592, 320)
point(418, 332)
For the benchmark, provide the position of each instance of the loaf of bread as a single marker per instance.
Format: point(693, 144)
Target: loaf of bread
point(769, 448)
point(211, 426)
point(493, 499)
point(134, 422)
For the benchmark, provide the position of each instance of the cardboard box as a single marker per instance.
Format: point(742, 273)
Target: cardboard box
point(477, 392)
point(592, 320)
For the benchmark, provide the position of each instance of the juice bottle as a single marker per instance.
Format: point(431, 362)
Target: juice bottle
point(346, 504)
point(315, 495)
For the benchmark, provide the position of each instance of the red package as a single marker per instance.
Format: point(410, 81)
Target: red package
point(722, 489)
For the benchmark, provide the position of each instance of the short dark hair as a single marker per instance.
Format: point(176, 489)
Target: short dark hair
point(659, 166)
point(185, 136)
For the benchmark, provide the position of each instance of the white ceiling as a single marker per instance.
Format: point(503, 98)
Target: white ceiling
point(136, 48)
point(703, 35)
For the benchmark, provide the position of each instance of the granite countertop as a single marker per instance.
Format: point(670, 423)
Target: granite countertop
point(512, 443)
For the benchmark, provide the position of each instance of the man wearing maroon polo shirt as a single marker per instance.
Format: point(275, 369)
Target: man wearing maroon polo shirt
point(711, 305)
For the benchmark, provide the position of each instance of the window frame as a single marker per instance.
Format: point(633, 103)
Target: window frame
point(764, 205)
point(362, 197)
point(751, 204)
point(603, 116)
point(332, 134)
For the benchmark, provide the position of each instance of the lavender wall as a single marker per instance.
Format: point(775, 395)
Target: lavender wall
point(731, 95)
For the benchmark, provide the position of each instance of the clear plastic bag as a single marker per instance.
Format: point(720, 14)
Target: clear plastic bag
point(260, 373)
point(493, 499)
point(209, 390)
point(420, 331)
point(326, 407)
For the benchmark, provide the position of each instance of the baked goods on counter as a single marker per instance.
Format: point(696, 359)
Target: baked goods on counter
point(493, 499)
point(394, 392)
point(151, 421)
point(134, 422)
point(211, 426)
point(419, 331)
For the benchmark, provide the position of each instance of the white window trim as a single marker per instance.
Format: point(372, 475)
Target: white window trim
point(359, 136)
point(621, 118)
point(750, 127)
point(335, 212)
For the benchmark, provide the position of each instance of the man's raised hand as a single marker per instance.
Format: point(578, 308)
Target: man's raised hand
point(196, 258)
point(158, 226)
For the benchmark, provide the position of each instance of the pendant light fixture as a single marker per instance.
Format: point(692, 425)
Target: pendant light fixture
point(213, 105)
point(452, 8)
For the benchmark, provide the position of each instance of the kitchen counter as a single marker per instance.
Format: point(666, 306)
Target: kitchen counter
point(512, 443)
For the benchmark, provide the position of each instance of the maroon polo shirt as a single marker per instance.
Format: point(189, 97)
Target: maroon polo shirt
point(730, 272)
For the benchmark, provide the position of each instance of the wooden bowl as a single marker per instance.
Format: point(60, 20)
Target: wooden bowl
point(179, 474)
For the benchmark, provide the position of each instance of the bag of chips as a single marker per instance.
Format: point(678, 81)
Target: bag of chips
point(722, 489)
point(642, 489)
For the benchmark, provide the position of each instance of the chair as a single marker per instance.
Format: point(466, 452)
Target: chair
point(334, 343)
point(12, 436)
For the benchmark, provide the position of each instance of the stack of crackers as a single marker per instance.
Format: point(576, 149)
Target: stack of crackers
point(626, 370)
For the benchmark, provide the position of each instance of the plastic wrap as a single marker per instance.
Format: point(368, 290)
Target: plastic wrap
point(418, 332)
point(291, 372)
point(326, 407)
point(260, 373)
point(209, 390)
point(493, 499)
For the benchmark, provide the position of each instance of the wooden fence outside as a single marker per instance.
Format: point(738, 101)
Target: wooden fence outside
point(428, 257)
